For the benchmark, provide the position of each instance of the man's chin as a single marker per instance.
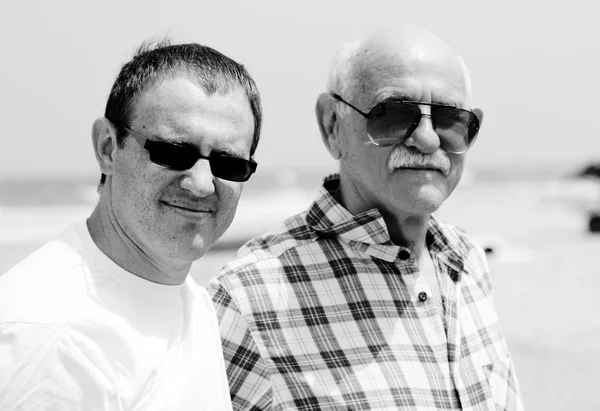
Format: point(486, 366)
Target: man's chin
point(427, 200)
point(198, 249)
point(424, 208)
point(190, 249)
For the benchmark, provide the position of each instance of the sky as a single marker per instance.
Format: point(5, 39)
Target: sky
point(535, 68)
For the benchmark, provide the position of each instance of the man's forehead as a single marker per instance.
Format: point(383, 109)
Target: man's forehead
point(181, 86)
point(409, 72)
point(404, 53)
point(181, 94)
point(178, 110)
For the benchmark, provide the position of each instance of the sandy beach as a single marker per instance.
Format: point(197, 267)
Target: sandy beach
point(546, 272)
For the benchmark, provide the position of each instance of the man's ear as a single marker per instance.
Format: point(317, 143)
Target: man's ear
point(104, 140)
point(479, 114)
point(327, 120)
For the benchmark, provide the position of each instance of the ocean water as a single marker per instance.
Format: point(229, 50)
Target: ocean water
point(33, 210)
point(509, 209)
point(544, 262)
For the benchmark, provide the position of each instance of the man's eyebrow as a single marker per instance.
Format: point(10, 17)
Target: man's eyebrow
point(405, 96)
point(393, 95)
point(182, 142)
point(232, 151)
point(449, 103)
point(171, 140)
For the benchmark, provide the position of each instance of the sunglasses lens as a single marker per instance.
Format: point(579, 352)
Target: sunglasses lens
point(391, 122)
point(176, 157)
point(182, 157)
point(456, 127)
point(231, 168)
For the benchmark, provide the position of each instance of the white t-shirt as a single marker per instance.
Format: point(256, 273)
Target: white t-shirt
point(77, 332)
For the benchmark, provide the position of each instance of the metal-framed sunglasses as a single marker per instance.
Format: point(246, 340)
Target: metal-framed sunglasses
point(183, 156)
point(393, 121)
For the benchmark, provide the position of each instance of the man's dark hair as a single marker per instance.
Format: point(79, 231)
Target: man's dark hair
point(154, 63)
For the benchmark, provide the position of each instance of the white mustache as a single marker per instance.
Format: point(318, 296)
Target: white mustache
point(406, 158)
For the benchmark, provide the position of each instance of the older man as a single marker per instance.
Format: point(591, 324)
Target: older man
point(366, 300)
point(105, 317)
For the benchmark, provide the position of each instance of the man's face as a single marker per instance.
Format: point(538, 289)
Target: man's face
point(416, 74)
point(178, 215)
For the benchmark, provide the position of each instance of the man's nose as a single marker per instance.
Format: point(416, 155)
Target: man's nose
point(199, 179)
point(424, 137)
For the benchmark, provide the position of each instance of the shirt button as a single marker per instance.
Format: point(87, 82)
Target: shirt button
point(404, 255)
point(422, 296)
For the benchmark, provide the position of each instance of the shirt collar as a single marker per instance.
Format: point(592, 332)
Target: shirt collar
point(368, 232)
point(447, 246)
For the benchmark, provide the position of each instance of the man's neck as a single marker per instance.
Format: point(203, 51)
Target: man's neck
point(407, 230)
point(114, 242)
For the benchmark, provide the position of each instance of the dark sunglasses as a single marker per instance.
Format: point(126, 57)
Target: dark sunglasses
point(393, 121)
point(182, 156)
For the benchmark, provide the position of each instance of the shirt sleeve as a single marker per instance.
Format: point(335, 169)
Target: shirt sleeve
point(42, 368)
point(249, 381)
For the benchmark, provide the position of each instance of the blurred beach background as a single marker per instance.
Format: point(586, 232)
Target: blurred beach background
point(534, 67)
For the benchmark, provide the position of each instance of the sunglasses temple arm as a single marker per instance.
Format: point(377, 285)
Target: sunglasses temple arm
point(335, 96)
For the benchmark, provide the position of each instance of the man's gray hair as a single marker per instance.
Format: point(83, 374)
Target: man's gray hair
point(468, 84)
point(342, 78)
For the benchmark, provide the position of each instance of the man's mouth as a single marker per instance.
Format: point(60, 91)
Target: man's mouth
point(192, 208)
point(424, 168)
point(421, 168)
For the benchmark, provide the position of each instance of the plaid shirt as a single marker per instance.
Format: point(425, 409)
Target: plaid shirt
point(326, 313)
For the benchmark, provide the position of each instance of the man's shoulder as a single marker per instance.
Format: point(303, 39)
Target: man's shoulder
point(43, 367)
point(269, 252)
point(455, 241)
point(35, 288)
point(463, 253)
